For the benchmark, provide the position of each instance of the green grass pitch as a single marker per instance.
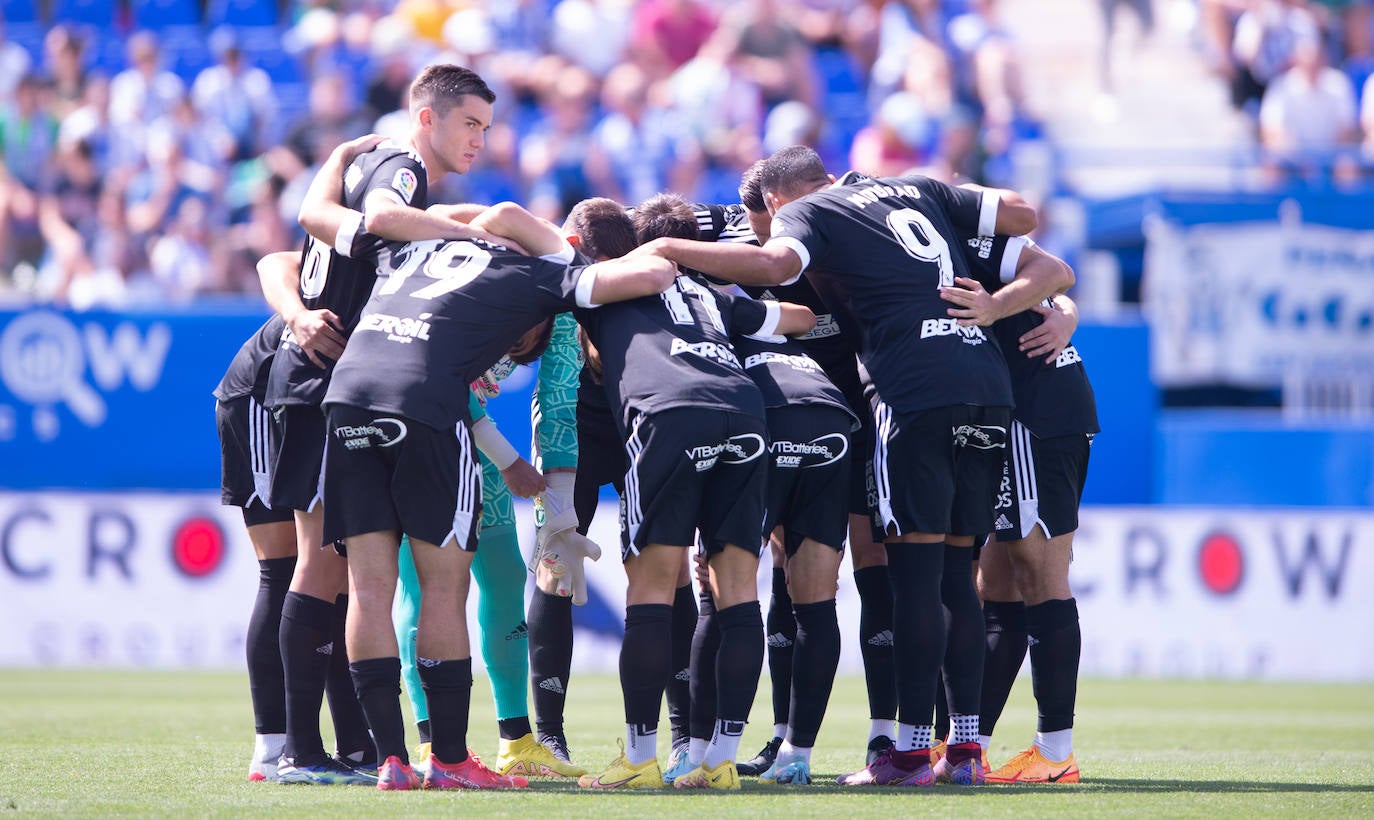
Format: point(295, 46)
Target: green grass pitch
point(143, 744)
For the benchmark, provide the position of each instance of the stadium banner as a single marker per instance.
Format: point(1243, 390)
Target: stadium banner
point(1245, 303)
point(168, 580)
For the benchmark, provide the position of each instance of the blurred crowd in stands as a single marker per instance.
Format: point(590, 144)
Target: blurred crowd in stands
point(1300, 70)
point(155, 149)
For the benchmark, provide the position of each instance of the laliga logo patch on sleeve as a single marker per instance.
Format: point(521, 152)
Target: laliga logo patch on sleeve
point(405, 183)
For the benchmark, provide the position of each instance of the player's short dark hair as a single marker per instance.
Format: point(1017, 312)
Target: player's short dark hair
point(751, 188)
point(603, 228)
point(665, 215)
point(791, 170)
point(441, 87)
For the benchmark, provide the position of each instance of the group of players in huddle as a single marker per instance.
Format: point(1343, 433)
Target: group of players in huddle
point(912, 394)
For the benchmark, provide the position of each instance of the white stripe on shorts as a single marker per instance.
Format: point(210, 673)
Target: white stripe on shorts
point(634, 513)
point(469, 488)
point(882, 431)
point(1027, 493)
point(259, 446)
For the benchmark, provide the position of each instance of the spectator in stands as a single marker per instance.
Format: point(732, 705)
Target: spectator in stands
point(553, 153)
point(666, 34)
point(1357, 34)
point(899, 139)
point(593, 34)
point(144, 91)
point(69, 218)
point(771, 51)
point(987, 80)
point(14, 64)
point(1262, 47)
point(1308, 118)
point(717, 106)
point(1145, 17)
point(635, 150)
point(179, 258)
point(332, 117)
point(953, 140)
point(64, 54)
point(27, 136)
point(235, 95)
point(155, 196)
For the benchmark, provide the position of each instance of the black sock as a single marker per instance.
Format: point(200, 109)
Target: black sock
point(422, 726)
point(813, 670)
point(875, 640)
point(941, 711)
point(513, 728)
point(781, 636)
point(739, 660)
point(351, 739)
point(918, 627)
point(679, 685)
point(1055, 646)
point(1005, 652)
point(378, 681)
point(551, 645)
point(646, 661)
point(266, 681)
point(306, 643)
point(963, 666)
point(705, 645)
point(448, 688)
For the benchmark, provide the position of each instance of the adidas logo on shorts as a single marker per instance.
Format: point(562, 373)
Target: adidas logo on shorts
point(683, 675)
point(552, 685)
point(327, 649)
point(883, 638)
point(1003, 523)
point(779, 641)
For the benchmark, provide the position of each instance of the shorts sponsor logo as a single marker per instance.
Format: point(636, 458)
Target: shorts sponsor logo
point(818, 452)
point(932, 328)
point(980, 436)
point(382, 432)
point(1068, 356)
point(739, 449)
point(405, 184)
point(401, 329)
point(706, 350)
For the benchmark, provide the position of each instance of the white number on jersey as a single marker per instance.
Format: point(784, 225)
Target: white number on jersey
point(674, 299)
point(314, 269)
point(920, 239)
point(453, 264)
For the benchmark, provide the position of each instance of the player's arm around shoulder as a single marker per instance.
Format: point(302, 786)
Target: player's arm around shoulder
point(794, 319)
point(773, 264)
point(629, 277)
point(322, 212)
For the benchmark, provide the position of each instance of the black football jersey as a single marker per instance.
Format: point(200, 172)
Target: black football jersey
point(785, 375)
point(673, 350)
point(878, 252)
point(1051, 399)
point(247, 373)
point(445, 313)
point(826, 342)
point(343, 283)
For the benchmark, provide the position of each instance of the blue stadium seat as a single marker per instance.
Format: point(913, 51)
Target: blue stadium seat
point(159, 15)
point(280, 66)
point(245, 13)
point(97, 13)
point(29, 36)
point(843, 100)
point(185, 51)
point(18, 11)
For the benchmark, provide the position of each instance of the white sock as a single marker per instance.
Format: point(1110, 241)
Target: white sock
point(724, 743)
point(268, 748)
point(962, 729)
point(881, 727)
point(912, 738)
point(641, 743)
point(1056, 746)
point(788, 753)
point(696, 750)
point(985, 741)
point(779, 730)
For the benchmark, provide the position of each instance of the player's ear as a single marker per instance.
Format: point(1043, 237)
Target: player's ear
point(426, 116)
point(574, 240)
